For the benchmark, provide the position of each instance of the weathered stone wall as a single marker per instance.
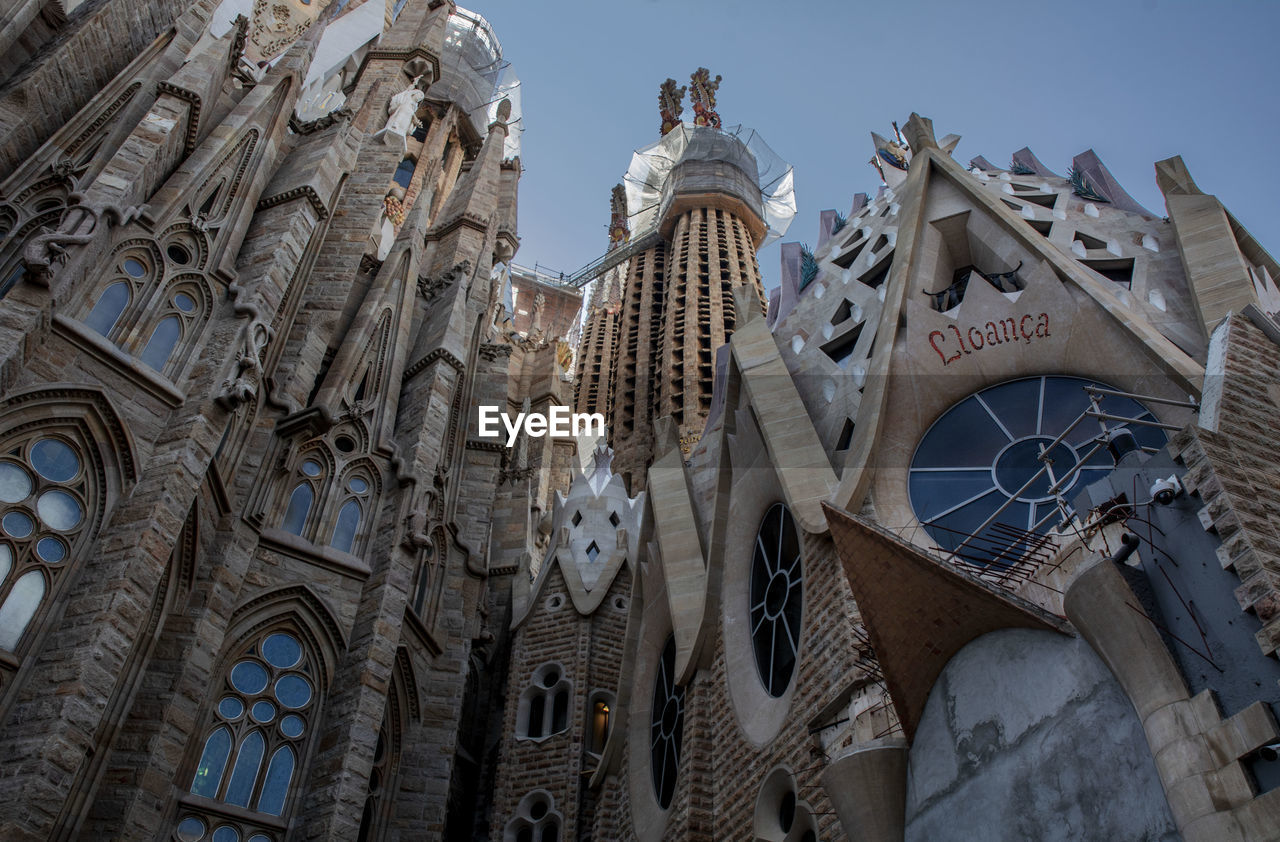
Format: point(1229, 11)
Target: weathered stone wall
point(1027, 735)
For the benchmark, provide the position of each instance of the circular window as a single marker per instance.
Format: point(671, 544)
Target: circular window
point(15, 483)
point(54, 460)
point(345, 444)
point(178, 254)
point(281, 650)
point(997, 447)
point(190, 829)
point(249, 678)
point(184, 302)
point(311, 469)
point(230, 707)
point(666, 726)
point(291, 726)
point(776, 599)
point(134, 267)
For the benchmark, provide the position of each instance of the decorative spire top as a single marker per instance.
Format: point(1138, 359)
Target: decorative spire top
point(704, 98)
point(619, 230)
point(601, 472)
point(670, 104)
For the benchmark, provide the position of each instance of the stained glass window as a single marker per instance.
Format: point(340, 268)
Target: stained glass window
point(251, 754)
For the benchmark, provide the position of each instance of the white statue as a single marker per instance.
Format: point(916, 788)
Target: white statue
point(403, 107)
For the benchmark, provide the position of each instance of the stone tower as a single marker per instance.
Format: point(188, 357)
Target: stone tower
point(700, 195)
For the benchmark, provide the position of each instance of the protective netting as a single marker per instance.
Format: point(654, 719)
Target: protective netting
point(474, 75)
point(742, 147)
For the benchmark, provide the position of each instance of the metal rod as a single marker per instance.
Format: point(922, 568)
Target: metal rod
point(1103, 416)
point(1143, 398)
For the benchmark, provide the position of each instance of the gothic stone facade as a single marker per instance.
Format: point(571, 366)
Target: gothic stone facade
point(247, 586)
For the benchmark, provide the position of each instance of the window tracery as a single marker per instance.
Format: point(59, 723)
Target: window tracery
point(777, 597)
point(153, 304)
point(544, 706)
point(47, 495)
point(536, 820)
point(262, 720)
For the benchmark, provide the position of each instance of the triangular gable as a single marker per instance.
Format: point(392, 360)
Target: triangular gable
point(918, 611)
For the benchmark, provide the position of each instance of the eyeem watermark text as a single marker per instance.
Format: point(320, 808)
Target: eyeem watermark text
point(558, 423)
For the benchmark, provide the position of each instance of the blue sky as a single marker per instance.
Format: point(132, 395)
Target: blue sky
point(1136, 80)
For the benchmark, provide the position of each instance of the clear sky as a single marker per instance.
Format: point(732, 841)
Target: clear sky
point(1136, 80)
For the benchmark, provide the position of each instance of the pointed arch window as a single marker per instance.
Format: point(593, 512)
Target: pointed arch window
point(47, 502)
point(179, 319)
point(262, 717)
point(356, 499)
point(297, 513)
point(109, 307)
point(132, 271)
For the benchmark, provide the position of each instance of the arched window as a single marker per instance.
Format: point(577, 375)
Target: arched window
point(162, 342)
point(776, 599)
point(599, 720)
point(356, 499)
point(109, 307)
point(544, 706)
point(263, 718)
point(47, 497)
point(382, 774)
point(179, 318)
point(666, 726)
point(132, 271)
point(297, 513)
point(536, 820)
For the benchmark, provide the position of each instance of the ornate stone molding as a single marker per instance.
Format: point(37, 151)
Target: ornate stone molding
point(463, 219)
point(306, 191)
point(485, 444)
point(193, 120)
point(437, 354)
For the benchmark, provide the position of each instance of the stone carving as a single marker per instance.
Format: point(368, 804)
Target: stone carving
point(392, 218)
point(402, 109)
point(432, 287)
point(243, 385)
point(703, 97)
point(619, 230)
point(670, 104)
point(77, 229)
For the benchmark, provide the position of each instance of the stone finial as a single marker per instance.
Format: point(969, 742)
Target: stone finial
point(1173, 177)
point(504, 109)
point(601, 468)
point(619, 229)
point(670, 105)
point(703, 98)
point(919, 132)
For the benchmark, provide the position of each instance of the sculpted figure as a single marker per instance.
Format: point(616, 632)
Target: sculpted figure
point(402, 108)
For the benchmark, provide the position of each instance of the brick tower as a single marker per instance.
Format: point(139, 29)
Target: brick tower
point(700, 196)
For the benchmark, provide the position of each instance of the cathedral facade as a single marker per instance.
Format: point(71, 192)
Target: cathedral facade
point(967, 532)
